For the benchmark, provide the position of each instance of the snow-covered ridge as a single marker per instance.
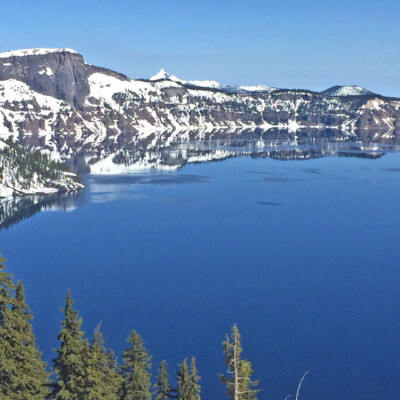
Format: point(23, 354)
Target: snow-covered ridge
point(346, 91)
point(34, 52)
point(257, 88)
point(164, 75)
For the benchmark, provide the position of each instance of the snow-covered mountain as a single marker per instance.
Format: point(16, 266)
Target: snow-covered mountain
point(50, 99)
point(346, 91)
point(164, 75)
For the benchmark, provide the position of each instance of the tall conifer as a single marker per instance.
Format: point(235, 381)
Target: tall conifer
point(188, 381)
point(163, 389)
point(194, 387)
point(69, 365)
point(136, 370)
point(101, 381)
point(22, 373)
point(238, 383)
point(183, 390)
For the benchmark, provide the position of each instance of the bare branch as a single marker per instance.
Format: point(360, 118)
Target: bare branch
point(298, 387)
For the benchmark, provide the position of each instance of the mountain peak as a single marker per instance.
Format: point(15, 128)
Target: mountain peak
point(162, 74)
point(339, 90)
point(34, 52)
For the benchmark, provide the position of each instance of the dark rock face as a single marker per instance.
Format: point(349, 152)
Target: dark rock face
point(62, 75)
point(95, 110)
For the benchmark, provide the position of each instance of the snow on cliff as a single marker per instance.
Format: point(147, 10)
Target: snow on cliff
point(34, 52)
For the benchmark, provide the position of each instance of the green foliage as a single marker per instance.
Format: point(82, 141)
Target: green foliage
point(183, 381)
point(69, 365)
point(238, 383)
point(163, 389)
point(194, 387)
point(22, 373)
point(101, 381)
point(188, 387)
point(136, 370)
point(88, 371)
point(31, 164)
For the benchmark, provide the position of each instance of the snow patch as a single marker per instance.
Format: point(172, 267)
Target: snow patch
point(34, 52)
point(48, 71)
point(346, 91)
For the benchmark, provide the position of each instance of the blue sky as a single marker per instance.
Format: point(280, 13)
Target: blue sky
point(297, 44)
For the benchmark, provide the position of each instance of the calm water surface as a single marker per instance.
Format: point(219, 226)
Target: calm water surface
point(302, 255)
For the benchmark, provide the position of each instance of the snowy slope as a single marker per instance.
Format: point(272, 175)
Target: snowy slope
point(346, 91)
point(23, 172)
point(164, 75)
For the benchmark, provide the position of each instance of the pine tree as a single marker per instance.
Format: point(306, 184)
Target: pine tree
point(136, 370)
point(69, 365)
point(8, 366)
point(163, 389)
point(188, 387)
point(32, 368)
point(22, 373)
point(101, 381)
point(183, 390)
point(194, 387)
point(239, 385)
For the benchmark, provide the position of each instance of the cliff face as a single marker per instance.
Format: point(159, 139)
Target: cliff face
point(52, 100)
point(62, 75)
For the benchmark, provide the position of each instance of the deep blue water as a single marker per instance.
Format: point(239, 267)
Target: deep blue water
point(302, 255)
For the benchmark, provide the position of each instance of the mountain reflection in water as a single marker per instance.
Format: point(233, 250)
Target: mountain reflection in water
point(158, 166)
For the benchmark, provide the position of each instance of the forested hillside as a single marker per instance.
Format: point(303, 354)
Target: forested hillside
point(25, 172)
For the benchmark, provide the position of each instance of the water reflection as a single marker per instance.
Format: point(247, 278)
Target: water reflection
point(17, 209)
point(178, 154)
point(112, 173)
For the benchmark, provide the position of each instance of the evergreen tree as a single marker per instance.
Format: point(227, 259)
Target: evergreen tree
point(22, 373)
point(101, 381)
point(183, 390)
point(194, 387)
point(163, 389)
point(136, 370)
point(69, 365)
point(239, 385)
point(188, 387)
point(8, 366)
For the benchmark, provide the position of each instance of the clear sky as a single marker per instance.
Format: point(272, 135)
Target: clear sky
point(284, 43)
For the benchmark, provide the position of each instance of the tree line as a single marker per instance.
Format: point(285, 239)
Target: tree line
point(87, 370)
point(28, 163)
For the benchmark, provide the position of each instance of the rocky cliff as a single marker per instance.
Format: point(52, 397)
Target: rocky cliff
point(52, 100)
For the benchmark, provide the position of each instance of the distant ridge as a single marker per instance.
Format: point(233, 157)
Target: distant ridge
point(346, 91)
point(164, 75)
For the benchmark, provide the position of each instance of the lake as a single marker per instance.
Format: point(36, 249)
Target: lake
point(302, 254)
